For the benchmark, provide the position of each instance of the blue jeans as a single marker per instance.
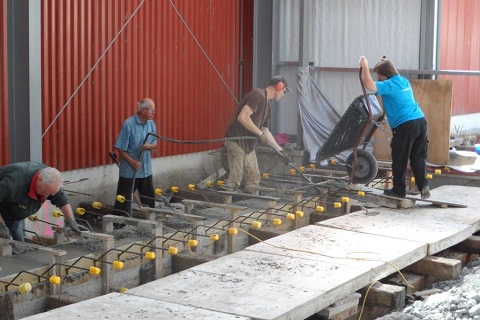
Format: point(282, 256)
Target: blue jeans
point(16, 229)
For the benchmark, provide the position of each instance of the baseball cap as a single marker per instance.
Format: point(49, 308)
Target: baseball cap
point(277, 79)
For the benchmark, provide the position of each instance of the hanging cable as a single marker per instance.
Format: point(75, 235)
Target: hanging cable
point(93, 67)
point(204, 53)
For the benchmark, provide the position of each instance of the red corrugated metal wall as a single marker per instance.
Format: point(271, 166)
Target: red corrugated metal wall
point(4, 136)
point(460, 50)
point(154, 56)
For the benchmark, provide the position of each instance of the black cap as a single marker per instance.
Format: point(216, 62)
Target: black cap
point(276, 79)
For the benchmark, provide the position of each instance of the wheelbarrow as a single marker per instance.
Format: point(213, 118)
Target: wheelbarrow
point(354, 130)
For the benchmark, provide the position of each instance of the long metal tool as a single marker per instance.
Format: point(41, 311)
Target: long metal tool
point(289, 163)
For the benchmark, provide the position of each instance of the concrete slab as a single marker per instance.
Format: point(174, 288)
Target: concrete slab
point(291, 276)
point(440, 228)
point(126, 306)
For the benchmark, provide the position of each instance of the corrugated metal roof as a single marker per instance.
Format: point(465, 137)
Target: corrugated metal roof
point(460, 50)
point(154, 56)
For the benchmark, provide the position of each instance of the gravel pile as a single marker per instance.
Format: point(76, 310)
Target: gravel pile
point(459, 299)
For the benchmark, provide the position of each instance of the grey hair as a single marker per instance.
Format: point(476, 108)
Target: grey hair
point(144, 103)
point(51, 176)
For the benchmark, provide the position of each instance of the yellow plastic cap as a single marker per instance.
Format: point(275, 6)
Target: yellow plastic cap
point(299, 214)
point(214, 237)
point(54, 280)
point(312, 166)
point(266, 175)
point(429, 176)
point(320, 209)
point(123, 290)
point(57, 213)
point(290, 216)
point(361, 193)
point(302, 168)
point(345, 199)
point(277, 221)
point(158, 192)
point(293, 171)
point(256, 224)
point(191, 186)
point(220, 183)
point(174, 189)
point(94, 270)
point(120, 198)
point(25, 287)
point(33, 218)
point(150, 255)
point(172, 250)
point(80, 211)
point(96, 205)
point(232, 231)
point(117, 264)
point(438, 171)
point(337, 205)
point(192, 243)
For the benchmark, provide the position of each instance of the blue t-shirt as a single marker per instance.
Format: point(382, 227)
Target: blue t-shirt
point(398, 101)
point(130, 139)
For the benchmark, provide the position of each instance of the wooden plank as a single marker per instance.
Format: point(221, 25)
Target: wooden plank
point(435, 99)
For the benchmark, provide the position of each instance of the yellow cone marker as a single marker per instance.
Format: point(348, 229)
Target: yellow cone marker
point(158, 192)
point(120, 198)
point(320, 209)
point(24, 288)
point(80, 211)
point(96, 205)
point(232, 231)
point(54, 280)
point(277, 221)
point(94, 270)
point(150, 255)
point(192, 243)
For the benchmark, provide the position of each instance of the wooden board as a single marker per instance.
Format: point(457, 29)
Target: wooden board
point(435, 99)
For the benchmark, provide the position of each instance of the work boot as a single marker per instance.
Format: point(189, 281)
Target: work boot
point(391, 193)
point(425, 193)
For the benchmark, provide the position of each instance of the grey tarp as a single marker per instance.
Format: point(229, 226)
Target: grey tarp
point(317, 115)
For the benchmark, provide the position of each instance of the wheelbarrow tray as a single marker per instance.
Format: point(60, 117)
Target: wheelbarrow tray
point(349, 129)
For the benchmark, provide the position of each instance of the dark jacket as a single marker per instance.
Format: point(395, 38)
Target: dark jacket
point(15, 180)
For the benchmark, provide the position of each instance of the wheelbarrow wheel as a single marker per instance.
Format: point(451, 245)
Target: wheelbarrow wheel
point(366, 169)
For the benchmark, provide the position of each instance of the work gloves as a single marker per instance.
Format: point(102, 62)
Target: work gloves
point(4, 231)
point(72, 224)
point(263, 139)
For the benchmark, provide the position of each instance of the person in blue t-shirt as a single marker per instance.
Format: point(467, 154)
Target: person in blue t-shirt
point(136, 157)
point(408, 124)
